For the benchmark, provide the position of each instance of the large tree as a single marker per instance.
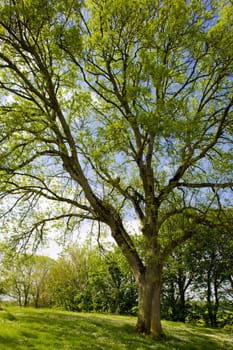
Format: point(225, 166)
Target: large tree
point(116, 110)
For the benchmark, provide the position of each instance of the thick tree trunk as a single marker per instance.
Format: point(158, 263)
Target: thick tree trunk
point(149, 291)
point(148, 276)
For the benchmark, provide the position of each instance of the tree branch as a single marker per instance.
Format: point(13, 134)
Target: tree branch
point(212, 185)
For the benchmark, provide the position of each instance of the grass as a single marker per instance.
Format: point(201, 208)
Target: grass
point(44, 329)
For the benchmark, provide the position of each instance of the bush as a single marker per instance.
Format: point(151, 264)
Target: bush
point(225, 318)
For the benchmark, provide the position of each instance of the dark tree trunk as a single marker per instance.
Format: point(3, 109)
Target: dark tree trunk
point(19, 300)
point(25, 302)
point(26, 291)
point(216, 305)
point(209, 301)
point(19, 296)
point(181, 300)
point(36, 299)
point(172, 300)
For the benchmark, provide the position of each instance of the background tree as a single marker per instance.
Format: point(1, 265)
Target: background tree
point(17, 274)
point(122, 288)
point(68, 280)
point(42, 266)
point(82, 279)
point(211, 254)
point(25, 277)
point(117, 110)
point(177, 279)
point(200, 271)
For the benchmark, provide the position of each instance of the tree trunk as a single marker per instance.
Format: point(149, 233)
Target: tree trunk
point(36, 299)
point(181, 301)
point(148, 276)
point(149, 291)
point(19, 300)
point(209, 300)
point(216, 304)
point(25, 302)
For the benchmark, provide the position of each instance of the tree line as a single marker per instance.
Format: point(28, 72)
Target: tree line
point(197, 280)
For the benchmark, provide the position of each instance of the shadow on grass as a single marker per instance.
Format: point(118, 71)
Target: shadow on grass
point(187, 337)
point(44, 330)
point(7, 342)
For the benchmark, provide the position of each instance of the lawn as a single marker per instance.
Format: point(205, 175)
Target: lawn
point(44, 329)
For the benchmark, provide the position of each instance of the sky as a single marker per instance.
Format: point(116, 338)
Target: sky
point(53, 249)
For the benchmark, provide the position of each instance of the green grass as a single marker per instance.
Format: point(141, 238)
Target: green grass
point(44, 329)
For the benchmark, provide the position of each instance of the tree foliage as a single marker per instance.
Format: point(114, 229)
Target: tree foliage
point(82, 279)
point(200, 271)
point(25, 277)
point(117, 109)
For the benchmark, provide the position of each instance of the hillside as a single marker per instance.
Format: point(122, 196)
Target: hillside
point(46, 329)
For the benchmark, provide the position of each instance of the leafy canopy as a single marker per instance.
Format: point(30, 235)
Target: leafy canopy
point(114, 107)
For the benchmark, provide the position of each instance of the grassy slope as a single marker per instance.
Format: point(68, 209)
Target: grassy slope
point(22, 329)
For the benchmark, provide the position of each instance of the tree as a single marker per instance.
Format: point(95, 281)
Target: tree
point(177, 278)
point(120, 284)
point(83, 279)
point(201, 268)
point(42, 266)
point(68, 280)
point(25, 277)
point(211, 254)
point(116, 110)
point(17, 274)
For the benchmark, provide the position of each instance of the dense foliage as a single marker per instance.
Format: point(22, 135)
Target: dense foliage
point(197, 279)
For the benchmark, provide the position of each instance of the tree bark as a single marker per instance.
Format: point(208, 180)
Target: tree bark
point(149, 291)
